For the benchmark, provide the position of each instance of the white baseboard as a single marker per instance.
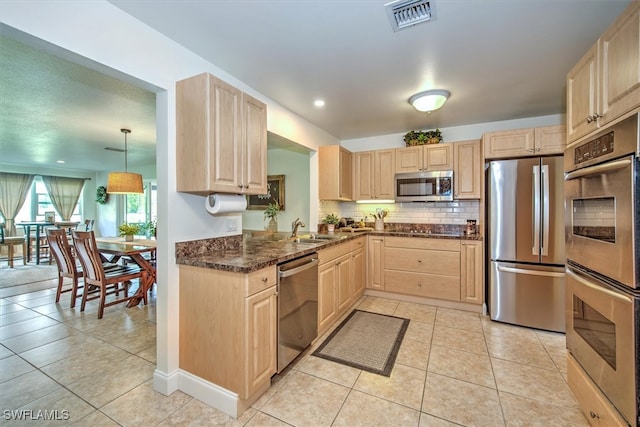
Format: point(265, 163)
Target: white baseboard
point(165, 383)
point(209, 393)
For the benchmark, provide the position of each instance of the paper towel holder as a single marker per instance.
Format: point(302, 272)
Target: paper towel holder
point(220, 203)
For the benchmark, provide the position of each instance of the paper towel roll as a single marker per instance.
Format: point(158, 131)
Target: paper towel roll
point(225, 203)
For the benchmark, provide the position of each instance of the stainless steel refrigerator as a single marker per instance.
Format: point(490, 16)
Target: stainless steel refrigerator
point(526, 242)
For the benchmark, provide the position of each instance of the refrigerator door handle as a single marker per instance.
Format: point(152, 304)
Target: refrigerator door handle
point(544, 245)
point(536, 211)
point(530, 272)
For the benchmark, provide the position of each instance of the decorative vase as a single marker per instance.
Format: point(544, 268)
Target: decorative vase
point(128, 238)
point(331, 228)
point(273, 225)
point(379, 225)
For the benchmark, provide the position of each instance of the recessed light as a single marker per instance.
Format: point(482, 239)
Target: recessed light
point(60, 161)
point(318, 103)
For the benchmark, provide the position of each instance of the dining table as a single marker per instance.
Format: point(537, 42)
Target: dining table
point(117, 247)
point(38, 225)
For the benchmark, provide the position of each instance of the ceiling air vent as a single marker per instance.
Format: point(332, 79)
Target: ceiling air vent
point(406, 13)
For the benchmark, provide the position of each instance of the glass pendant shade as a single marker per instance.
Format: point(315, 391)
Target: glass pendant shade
point(125, 182)
point(430, 100)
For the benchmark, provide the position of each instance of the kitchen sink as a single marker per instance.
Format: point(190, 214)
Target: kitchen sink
point(318, 238)
point(305, 240)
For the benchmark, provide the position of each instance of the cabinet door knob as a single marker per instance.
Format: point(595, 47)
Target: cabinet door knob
point(240, 186)
point(419, 285)
point(593, 415)
point(419, 261)
point(264, 280)
point(589, 119)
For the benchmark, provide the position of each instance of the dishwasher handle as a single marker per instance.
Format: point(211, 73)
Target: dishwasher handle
point(312, 263)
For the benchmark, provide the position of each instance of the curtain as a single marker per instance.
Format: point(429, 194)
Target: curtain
point(64, 193)
point(14, 188)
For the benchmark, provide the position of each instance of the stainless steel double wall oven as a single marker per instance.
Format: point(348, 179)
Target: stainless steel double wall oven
point(602, 228)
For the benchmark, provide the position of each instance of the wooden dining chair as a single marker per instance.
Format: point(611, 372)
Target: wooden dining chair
point(11, 243)
point(63, 255)
point(110, 281)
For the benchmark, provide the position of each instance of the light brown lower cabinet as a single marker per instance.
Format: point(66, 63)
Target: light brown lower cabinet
point(446, 269)
point(228, 328)
point(471, 271)
point(341, 268)
point(422, 267)
point(375, 262)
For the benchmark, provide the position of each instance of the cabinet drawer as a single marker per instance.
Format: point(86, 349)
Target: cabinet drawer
point(261, 279)
point(423, 261)
point(422, 285)
point(326, 255)
point(595, 406)
point(422, 243)
point(358, 243)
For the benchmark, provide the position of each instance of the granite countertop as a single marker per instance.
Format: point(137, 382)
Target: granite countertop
point(247, 252)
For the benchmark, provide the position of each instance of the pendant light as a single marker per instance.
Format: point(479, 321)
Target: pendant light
point(124, 182)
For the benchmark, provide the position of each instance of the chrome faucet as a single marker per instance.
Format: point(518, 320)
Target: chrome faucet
point(294, 227)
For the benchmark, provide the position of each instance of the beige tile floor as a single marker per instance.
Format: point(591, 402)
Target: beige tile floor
point(454, 368)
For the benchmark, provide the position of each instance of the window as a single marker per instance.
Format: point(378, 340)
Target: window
point(142, 208)
point(38, 202)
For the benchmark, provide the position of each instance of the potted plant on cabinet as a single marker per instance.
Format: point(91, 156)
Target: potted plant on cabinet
point(271, 212)
point(128, 231)
point(421, 137)
point(331, 220)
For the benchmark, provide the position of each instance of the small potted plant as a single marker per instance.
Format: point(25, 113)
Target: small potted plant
point(150, 228)
point(331, 220)
point(422, 137)
point(128, 231)
point(271, 212)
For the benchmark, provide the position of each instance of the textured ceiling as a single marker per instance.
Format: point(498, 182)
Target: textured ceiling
point(52, 109)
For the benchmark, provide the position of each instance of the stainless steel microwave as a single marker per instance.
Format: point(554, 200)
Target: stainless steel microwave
point(435, 186)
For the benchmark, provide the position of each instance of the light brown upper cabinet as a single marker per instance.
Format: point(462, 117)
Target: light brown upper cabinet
point(524, 142)
point(335, 176)
point(430, 157)
point(467, 169)
point(221, 138)
point(374, 175)
point(605, 83)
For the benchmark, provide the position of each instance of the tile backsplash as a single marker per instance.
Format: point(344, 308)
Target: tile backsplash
point(456, 212)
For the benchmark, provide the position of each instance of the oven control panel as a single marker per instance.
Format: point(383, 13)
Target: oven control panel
point(594, 148)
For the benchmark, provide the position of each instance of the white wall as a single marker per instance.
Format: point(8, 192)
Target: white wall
point(454, 133)
point(295, 168)
point(99, 35)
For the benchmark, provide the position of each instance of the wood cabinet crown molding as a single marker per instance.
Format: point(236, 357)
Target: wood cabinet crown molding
point(221, 138)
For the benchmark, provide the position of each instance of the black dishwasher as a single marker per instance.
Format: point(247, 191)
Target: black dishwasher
point(297, 307)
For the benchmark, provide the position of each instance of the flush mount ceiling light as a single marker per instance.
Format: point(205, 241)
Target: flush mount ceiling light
point(429, 100)
point(124, 182)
